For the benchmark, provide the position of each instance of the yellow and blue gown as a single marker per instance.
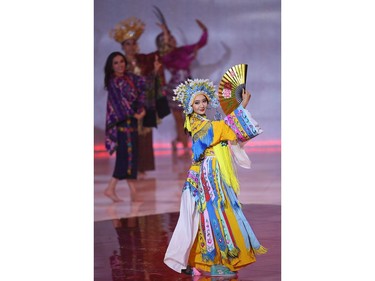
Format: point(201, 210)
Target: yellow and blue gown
point(212, 228)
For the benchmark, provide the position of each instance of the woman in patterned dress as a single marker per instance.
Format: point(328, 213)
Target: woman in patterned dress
point(125, 106)
point(212, 234)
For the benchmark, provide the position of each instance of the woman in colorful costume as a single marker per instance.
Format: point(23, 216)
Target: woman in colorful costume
point(177, 60)
point(212, 233)
point(127, 32)
point(125, 106)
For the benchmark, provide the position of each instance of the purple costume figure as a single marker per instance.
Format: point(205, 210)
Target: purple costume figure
point(177, 60)
point(125, 106)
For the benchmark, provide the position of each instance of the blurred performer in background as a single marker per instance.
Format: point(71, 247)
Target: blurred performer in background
point(125, 107)
point(177, 60)
point(127, 33)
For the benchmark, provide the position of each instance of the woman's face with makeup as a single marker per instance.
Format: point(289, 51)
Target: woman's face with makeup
point(200, 104)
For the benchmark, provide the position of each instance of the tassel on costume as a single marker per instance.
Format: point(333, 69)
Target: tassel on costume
point(234, 253)
point(187, 123)
point(261, 250)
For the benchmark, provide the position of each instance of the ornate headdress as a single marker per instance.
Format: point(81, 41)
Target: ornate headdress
point(130, 28)
point(187, 91)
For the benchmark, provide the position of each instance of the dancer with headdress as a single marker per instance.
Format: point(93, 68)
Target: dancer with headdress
point(177, 60)
point(212, 235)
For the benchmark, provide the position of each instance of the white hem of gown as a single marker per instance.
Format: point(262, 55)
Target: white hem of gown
point(177, 254)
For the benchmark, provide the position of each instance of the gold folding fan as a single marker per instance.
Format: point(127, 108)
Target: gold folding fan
point(230, 88)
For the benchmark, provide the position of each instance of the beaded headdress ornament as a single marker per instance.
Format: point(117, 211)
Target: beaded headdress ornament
point(187, 91)
point(130, 28)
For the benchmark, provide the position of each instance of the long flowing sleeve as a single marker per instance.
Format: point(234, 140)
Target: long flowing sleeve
point(201, 43)
point(242, 124)
point(238, 125)
point(182, 57)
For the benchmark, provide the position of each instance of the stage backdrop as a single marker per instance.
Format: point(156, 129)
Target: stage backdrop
point(240, 31)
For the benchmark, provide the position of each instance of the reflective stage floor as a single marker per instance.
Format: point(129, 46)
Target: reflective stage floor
point(133, 235)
